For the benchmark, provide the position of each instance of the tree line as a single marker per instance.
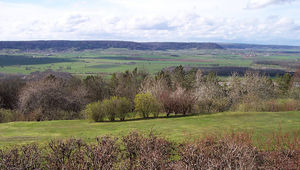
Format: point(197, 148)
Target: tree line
point(128, 93)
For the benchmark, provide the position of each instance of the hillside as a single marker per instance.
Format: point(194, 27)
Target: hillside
point(257, 46)
point(174, 128)
point(88, 45)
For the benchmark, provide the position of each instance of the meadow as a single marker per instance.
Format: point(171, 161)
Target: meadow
point(177, 129)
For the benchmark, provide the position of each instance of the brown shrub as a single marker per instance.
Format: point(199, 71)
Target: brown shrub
point(280, 151)
point(52, 98)
point(149, 152)
point(231, 152)
point(104, 154)
point(25, 157)
point(274, 105)
point(138, 151)
point(9, 93)
point(179, 101)
point(65, 154)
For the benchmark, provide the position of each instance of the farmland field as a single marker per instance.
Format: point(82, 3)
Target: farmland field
point(111, 60)
point(174, 128)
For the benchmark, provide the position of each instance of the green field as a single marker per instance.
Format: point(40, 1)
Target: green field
point(118, 60)
point(174, 128)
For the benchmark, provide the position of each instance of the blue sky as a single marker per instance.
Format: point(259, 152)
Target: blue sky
point(238, 21)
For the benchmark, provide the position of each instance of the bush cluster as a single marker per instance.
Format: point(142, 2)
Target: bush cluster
point(9, 93)
point(177, 91)
point(139, 151)
point(181, 91)
point(146, 104)
point(52, 99)
point(274, 105)
point(109, 109)
point(6, 116)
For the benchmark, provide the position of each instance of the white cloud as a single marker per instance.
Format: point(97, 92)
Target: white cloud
point(189, 20)
point(254, 4)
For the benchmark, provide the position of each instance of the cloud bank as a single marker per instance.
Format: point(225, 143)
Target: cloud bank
point(255, 4)
point(185, 20)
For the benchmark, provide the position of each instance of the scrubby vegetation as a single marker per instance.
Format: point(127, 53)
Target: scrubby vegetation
point(52, 99)
point(115, 107)
point(139, 151)
point(7, 116)
point(147, 104)
point(136, 92)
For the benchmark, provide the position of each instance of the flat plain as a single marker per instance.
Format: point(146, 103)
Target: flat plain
point(107, 61)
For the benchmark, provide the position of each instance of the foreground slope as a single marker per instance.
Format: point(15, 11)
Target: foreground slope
point(177, 129)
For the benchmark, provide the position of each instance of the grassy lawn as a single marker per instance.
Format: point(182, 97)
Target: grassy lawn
point(176, 128)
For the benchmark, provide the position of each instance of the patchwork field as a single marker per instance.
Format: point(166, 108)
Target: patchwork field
point(111, 60)
point(173, 128)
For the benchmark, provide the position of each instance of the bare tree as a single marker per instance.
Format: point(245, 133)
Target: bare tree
point(51, 98)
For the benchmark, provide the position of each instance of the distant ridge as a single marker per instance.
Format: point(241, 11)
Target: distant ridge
point(256, 46)
point(87, 45)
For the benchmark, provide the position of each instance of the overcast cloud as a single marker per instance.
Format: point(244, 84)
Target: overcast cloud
point(254, 4)
point(253, 21)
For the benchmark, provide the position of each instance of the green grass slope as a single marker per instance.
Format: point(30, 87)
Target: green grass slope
point(176, 128)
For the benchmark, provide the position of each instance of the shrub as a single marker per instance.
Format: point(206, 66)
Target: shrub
point(231, 152)
point(123, 107)
point(283, 84)
point(104, 154)
point(294, 90)
point(179, 101)
point(210, 95)
point(109, 108)
point(66, 154)
point(146, 152)
point(280, 151)
point(127, 84)
point(274, 105)
point(278, 105)
point(6, 116)
point(294, 93)
point(167, 102)
point(156, 86)
point(255, 84)
point(9, 93)
point(47, 99)
point(97, 88)
point(25, 157)
point(95, 112)
point(250, 88)
point(146, 104)
point(116, 107)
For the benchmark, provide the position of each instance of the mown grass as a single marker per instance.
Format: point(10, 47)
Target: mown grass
point(174, 128)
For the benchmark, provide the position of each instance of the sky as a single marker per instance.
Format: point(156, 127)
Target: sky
point(227, 21)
